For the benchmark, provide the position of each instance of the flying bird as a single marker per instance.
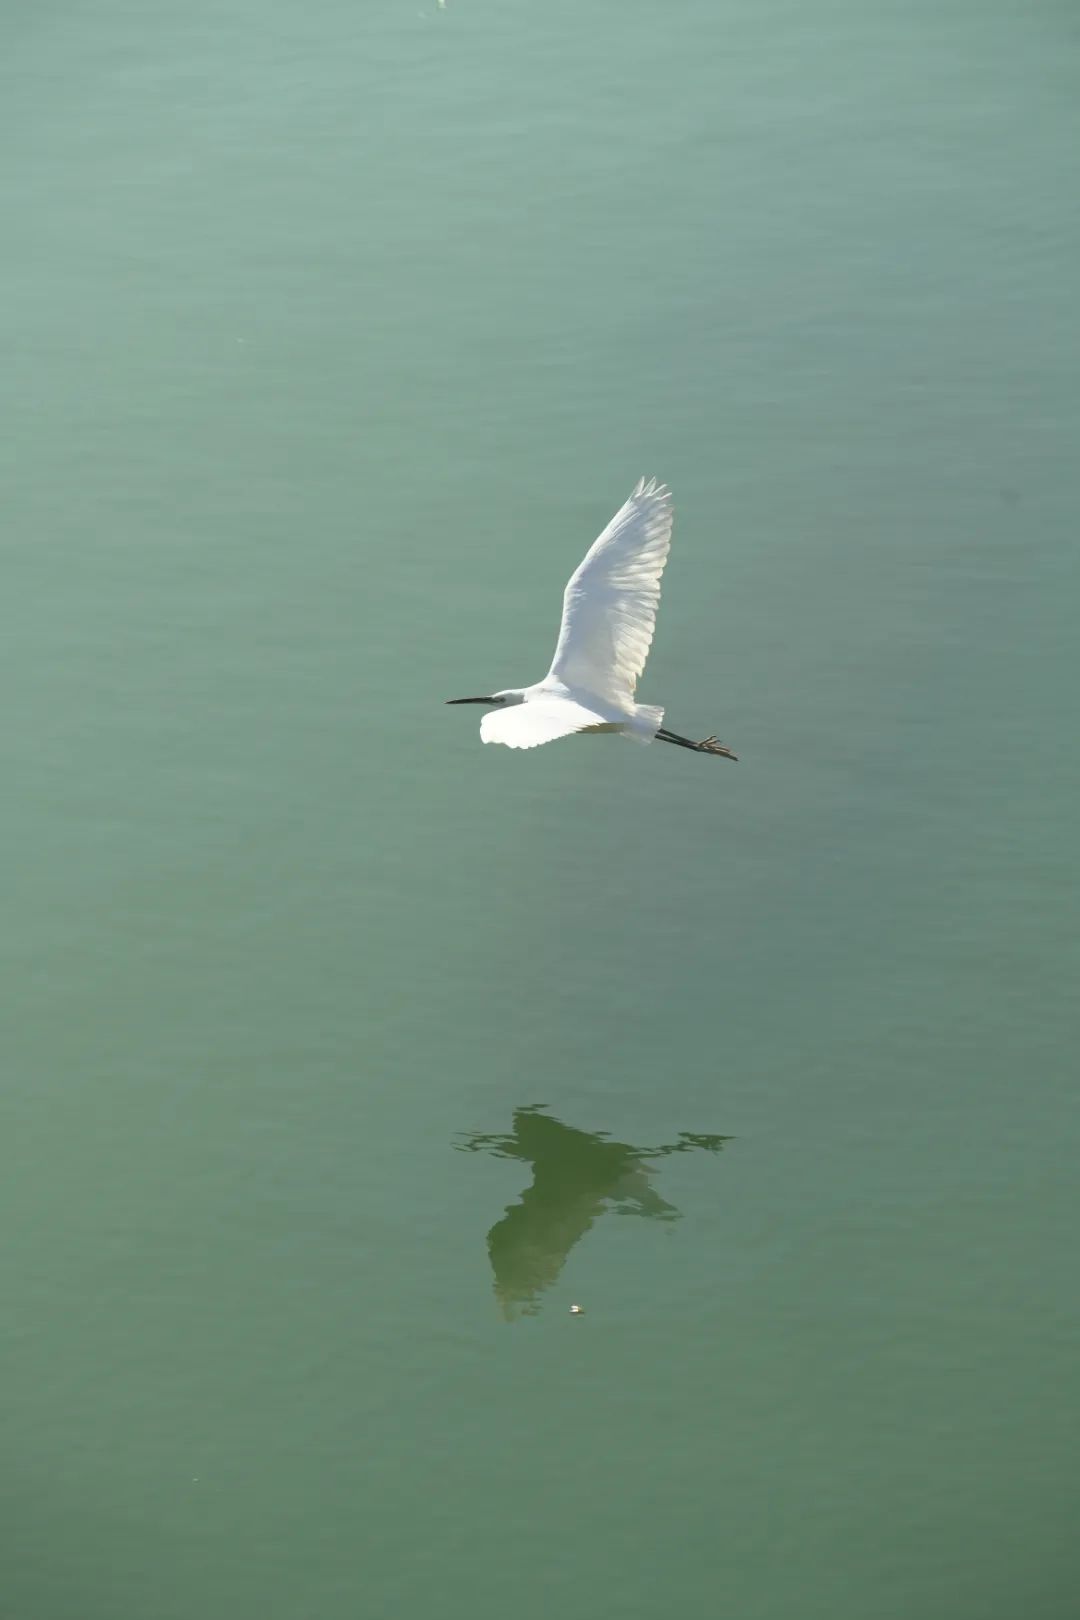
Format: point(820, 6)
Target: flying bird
point(609, 612)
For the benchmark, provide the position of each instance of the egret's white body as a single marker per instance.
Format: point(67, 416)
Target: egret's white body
point(608, 618)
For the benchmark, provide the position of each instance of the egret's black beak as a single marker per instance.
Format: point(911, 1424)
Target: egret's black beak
point(474, 700)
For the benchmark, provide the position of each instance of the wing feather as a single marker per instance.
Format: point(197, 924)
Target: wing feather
point(541, 720)
point(609, 605)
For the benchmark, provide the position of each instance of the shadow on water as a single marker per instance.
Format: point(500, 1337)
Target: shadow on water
point(577, 1175)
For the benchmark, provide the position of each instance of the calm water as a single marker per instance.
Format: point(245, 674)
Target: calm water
point(345, 1054)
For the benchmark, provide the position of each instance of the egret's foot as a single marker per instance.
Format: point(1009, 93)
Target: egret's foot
point(709, 745)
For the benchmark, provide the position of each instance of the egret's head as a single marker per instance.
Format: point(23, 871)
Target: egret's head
point(512, 696)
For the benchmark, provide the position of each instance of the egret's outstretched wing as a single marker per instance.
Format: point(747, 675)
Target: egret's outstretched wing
point(527, 725)
point(609, 606)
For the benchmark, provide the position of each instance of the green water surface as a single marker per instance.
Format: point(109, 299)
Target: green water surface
point(343, 1054)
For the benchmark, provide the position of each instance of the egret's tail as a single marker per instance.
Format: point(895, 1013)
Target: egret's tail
point(646, 722)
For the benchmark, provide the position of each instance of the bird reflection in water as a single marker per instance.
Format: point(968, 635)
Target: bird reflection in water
point(577, 1175)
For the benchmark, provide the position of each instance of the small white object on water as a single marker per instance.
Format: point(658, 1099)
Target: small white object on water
point(577, 1310)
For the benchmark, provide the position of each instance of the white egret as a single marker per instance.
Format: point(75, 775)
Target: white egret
point(609, 611)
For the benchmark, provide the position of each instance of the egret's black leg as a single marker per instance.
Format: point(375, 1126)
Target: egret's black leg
point(668, 736)
point(708, 746)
